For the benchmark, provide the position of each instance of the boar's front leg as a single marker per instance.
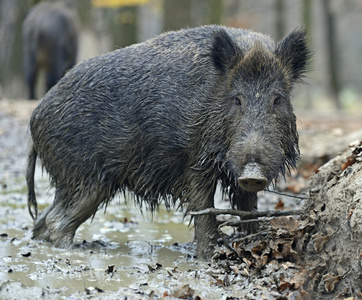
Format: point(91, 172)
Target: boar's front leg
point(202, 197)
point(246, 201)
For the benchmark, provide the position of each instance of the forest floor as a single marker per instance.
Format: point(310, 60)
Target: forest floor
point(126, 254)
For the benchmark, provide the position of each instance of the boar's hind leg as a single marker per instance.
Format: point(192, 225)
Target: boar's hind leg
point(205, 226)
point(59, 222)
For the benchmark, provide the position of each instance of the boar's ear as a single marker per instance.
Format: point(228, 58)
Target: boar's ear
point(225, 53)
point(294, 53)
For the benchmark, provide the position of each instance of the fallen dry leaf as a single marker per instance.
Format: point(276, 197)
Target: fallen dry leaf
point(285, 285)
point(319, 241)
point(305, 223)
point(330, 282)
point(244, 272)
point(298, 280)
point(350, 161)
point(282, 249)
point(247, 262)
point(288, 265)
point(235, 269)
point(356, 148)
point(355, 144)
point(314, 264)
point(151, 294)
point(226, 280)
point(287, 223)
point(279, 205)
point(218, 282)
point(300, 295)
point(150, 268)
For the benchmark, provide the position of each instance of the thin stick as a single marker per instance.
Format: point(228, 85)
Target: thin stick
point(288, 195)
point(246, 214)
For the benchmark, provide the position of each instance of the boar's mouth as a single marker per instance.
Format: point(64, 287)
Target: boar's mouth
point(252, 178)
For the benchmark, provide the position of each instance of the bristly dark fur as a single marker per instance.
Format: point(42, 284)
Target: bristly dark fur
point(294, 53)
point(225, 53)
point(167, 120)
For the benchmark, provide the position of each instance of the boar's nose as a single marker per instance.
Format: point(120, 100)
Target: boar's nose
point(252, 178)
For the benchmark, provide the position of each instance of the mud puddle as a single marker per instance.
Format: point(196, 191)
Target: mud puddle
point(119, 249)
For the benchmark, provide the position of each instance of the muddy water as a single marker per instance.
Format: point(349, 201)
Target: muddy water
point(108, 241)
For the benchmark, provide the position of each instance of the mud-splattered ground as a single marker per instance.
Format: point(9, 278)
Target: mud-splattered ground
point(122, 253)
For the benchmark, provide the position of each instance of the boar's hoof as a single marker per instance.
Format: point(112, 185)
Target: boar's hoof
point(252, 179)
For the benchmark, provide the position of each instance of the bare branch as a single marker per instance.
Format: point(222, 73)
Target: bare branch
point(246, 214)
point(288, 195)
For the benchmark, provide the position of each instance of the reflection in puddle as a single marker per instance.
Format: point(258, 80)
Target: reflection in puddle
point(123, 237)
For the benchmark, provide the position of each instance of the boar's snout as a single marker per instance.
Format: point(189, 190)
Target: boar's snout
point(252, 178)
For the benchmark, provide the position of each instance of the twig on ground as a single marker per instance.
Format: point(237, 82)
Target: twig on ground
point(247, 215)
point(234, 222)
point(288, 195)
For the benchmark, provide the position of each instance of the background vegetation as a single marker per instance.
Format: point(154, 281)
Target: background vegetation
point(334, 28)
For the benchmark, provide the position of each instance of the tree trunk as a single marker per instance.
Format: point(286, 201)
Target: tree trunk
point(332, 53)
point(215, 11)
point(280, 22)
point(12, 14)
point(124, 27)
point(177, 14)
point(307, 20)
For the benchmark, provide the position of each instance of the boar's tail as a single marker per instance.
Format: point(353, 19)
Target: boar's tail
point(32, 155)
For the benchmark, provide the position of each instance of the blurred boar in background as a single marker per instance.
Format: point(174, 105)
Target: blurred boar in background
point(50, 42)
point(168, 119)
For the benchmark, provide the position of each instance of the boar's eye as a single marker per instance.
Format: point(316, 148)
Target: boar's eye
point(277, 101)
point(237, 101)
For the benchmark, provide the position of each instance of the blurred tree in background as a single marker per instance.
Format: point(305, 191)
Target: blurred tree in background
point(177, 14)
point(331, 35)
point(280, 23)
point(12, 14)
point(334, 27)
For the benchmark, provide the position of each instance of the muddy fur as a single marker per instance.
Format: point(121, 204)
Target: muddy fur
point(167, 119)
